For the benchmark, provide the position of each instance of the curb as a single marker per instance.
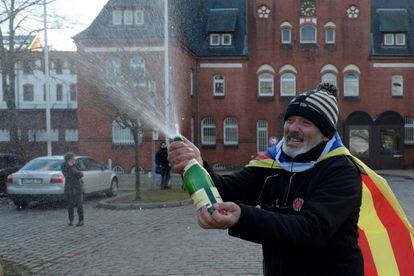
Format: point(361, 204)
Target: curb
point(396, 175)
point(108, 204)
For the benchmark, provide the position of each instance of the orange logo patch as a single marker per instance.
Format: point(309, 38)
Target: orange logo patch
point(297, 204)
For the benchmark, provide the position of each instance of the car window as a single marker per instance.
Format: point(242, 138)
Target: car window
point(43, 165)
point(91, 164)
point(81, 164)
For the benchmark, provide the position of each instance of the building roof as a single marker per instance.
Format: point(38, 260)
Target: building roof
point(395, 16)
point(190, 21)
point(24, 42)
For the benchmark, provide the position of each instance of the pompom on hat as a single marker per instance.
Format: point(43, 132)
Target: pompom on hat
point(319, 106)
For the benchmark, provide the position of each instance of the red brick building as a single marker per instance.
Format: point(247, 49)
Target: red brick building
point(234, 66)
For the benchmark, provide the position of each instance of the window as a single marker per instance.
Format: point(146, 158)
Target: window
point(388, 39)
point(208, 131)
point(359, 141)
point(73, 92)
point(400, 39)
point(218, 85)
point(288, 84)
point(262, 136)
point(113, 71)
point(121, 135)
point(28, 93)
point(28, 66)
point(397, 85)
point(59, 92)
point(266, 85)
point(263, 12)
point(329, 77)
point(137, 65)
point(307, 34)
point(231, 131)
point(71, 135)
point(352, 12)
point(330, 36)
point(286, 36)
point(409, 130)
point(214, 39)
point(351, 85)
point(389, 141)
point(128, 17)
point(191, 82)
point(72, 67)
point(58, 64)
point(226, 39)
point(117, 17)
point(139, 17)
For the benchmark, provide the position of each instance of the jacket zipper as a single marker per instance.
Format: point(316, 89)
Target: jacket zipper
point(288, 190)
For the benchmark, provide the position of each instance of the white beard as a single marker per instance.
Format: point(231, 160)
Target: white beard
point(293, 152)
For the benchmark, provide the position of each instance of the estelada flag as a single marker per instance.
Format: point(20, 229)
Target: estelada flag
point(386, 237)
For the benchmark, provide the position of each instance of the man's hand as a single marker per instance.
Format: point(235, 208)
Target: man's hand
point(225, 215)
point(179, 153)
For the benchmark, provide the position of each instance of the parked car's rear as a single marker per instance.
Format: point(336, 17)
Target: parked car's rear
point(9, 164)
point(42, 180)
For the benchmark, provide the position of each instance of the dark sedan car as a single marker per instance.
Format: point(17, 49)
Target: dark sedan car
point(9, 164)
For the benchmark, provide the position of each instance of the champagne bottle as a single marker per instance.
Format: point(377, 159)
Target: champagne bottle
point(199, 184)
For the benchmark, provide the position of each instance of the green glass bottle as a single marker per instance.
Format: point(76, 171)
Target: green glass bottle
point(199, 184)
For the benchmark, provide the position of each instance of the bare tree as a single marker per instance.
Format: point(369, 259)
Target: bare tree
point(15, 36)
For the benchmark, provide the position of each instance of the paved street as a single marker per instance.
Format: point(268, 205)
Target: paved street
point(134, 242)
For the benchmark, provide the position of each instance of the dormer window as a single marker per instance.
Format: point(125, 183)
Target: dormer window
point(221, 40)
point(394, 26)
point(394, 39)
point(139, 17)
point(117, 17)
point(128, 17)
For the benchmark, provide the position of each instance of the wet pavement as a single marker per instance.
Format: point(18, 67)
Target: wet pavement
point(164, 241)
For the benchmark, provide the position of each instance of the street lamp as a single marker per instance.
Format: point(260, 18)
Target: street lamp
point(47, 86)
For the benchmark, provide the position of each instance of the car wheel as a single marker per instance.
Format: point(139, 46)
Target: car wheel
point(113, 189)
point(21, 204)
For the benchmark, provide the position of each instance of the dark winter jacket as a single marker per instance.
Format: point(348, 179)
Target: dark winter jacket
point(307, 221)
point(161, 158)
point(73, 177)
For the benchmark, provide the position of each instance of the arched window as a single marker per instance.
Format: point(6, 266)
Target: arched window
point(331, 78)
point(113, 71)
point(287, 84)
point(351, 85)
point(266, 85)
point(118, 170)
point(137, 71)
point(397, 85)
point(307, 34)
point(208, 131)
point(121, 135)
point(330, 33)
point(286, 33)
point(262, 136)
point(231, 131)
point(219, 85)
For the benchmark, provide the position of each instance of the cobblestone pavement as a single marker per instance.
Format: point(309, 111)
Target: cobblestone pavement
point(133, 242)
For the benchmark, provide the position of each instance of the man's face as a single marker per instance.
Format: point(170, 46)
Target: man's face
point(71, 162)
point(163, 145)
point(300, 135)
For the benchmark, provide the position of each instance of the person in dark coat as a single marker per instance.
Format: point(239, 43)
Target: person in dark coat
point(163, 166)
point(73, 188)
point(300, 200)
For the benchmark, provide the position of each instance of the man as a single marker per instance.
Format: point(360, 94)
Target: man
point(300, 201)
point(73, 187)
point(163, 166)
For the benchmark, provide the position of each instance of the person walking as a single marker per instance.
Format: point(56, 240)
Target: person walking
point(163, 166)
point(73, 188)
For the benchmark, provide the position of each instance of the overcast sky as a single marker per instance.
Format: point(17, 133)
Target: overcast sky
point(80, 12)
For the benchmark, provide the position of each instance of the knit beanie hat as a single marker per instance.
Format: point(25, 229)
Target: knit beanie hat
point(319, 106)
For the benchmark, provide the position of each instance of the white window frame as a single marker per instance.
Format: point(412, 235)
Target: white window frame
point(288, 41)
point(304, 27)
point(409, 130)
point(128, 17)
point(121, 135)
point(397, 79)
point(71, 135)
point(331, 78)
point(349, 83)
point(287, 77)
point(117, 17)
point(327, 30)
point(230, 132)
point(265, 78)
point(388, 39)
point(208, 126)
point(223, 38)
point(262, 136)
point(139, 17)
point(214, 37)
point(398, 40)
point(4, 135)
point(114, 64)
point(217, 80)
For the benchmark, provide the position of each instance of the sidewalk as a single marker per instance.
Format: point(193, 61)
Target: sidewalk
point(401, 173)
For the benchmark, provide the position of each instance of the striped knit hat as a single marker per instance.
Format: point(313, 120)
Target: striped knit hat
point(319, 106)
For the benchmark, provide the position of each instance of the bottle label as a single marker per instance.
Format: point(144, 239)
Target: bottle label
point(200, 199)
point(216, 194)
